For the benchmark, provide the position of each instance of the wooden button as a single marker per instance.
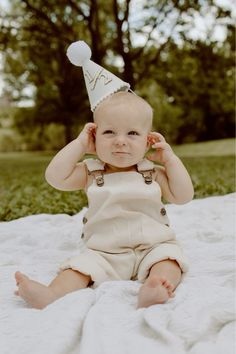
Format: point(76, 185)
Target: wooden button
point(163, 211)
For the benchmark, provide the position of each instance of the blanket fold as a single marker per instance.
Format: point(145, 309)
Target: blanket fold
point(199, 319)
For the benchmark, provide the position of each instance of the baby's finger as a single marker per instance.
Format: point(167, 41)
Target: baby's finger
point(93, 130)
point(158, 136)
point(90, 126)
point(151, 138)
point(160, 145)
point(161, 137)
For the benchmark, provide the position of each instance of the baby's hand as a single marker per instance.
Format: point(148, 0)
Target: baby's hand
point(87, 138)
point(163, 153)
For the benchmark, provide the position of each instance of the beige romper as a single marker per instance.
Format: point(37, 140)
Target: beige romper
point(126, 229)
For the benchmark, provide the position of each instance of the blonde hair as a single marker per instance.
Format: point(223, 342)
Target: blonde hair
point(127, 100)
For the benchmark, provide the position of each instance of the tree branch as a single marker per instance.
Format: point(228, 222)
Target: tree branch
point(76, 7)
point(42, 15)
point(157, 23)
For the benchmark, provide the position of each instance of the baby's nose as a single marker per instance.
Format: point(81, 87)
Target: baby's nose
point(120, 140)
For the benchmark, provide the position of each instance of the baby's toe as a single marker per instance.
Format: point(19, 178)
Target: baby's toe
point(166, 283)
point(169, 287)
point(20, 277)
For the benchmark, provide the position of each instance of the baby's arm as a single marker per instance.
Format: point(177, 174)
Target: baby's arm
point(64, 172)
point(173, 177)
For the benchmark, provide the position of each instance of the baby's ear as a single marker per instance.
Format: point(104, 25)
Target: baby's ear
point(147, 145)
point(94, 130)
point(149, 140)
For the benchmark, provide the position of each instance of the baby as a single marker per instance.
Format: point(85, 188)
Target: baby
point(126, 230)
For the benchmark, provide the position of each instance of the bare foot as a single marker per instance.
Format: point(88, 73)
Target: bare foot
point(155, 291)
point(35, 294)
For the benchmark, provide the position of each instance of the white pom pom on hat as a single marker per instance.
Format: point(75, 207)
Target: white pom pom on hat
point(100, 83)
point(78, 53)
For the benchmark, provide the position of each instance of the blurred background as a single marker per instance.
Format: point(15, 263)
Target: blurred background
point(179, 55)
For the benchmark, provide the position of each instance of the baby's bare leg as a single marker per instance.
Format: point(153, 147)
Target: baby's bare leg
point(39, 295)
point(163, 278)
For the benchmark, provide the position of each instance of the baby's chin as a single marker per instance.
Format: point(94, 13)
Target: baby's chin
point(112, 168)
point(120, 166)
point(120, 162)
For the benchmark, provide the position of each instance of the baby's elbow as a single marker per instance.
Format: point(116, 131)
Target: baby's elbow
point(191, 195)
point(47, 176)
point(50, 179)
point(186, 198)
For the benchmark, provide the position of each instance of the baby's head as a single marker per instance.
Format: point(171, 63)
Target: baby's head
point(123, 123)
point(125, 104)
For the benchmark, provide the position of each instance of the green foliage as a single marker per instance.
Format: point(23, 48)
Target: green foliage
point(44, 30)
point(23, 190)
point(193, 80)
point(54, 136)
point(38, 137)
point(167, 118)
point(189, 83)
point(24, 134)
point(10, 140)
point(7, 114)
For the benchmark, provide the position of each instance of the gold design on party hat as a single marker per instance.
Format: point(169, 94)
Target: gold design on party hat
point(100, 83)
point(99, 75)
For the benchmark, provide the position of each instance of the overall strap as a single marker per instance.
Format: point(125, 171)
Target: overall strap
point(146, 168)
point(95, 168)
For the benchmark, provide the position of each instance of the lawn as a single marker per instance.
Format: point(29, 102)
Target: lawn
point(23, 190)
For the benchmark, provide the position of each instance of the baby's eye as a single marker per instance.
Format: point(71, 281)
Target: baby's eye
point(132, 132)
point(108, 132)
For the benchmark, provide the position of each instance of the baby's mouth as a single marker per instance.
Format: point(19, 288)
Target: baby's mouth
point(120, 153)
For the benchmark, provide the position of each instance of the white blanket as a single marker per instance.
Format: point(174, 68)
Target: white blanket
point(199, 320)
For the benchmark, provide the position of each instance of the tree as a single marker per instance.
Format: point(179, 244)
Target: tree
point(35, 34)
point(199, 80)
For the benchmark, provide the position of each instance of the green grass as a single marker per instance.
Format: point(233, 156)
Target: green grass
point(23, 190)
point(224, 147)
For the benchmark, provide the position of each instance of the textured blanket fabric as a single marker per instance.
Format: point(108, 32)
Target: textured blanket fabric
point(200, 319)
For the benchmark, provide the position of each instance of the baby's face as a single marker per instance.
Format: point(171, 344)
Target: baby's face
point(121, 136)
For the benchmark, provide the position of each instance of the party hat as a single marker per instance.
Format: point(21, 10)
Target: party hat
point(100, 83)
